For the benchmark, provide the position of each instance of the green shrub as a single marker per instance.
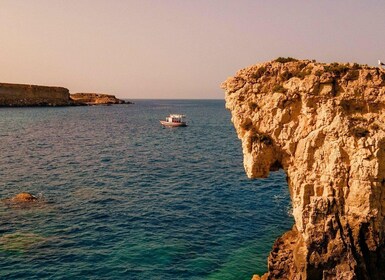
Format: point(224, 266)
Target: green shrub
point(336, 68)
point(302, 74)
point(285, 59)
point(356, 66)
point(260, 71)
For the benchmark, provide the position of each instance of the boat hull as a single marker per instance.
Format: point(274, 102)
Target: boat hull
point(173, 124)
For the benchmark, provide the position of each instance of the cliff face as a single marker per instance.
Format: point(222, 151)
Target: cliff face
point(95, 99)
point(19, 95)
point(32, 95)
point(324, 125)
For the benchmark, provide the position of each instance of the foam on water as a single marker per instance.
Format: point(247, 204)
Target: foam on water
point(125, 198)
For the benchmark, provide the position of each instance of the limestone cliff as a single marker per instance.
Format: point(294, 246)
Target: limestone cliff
point(96, 99)
point(324, 125)
point(19, 95)
point(15, 95)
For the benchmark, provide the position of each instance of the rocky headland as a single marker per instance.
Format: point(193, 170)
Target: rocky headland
point(323, 124)
point(20, 95)
point(96, 99)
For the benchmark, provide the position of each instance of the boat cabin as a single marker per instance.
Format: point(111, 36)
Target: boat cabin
point(174, 120)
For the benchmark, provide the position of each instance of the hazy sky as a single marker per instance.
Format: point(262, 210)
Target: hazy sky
point(176, 49)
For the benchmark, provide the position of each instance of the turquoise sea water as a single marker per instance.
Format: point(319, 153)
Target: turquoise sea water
point(124, 198)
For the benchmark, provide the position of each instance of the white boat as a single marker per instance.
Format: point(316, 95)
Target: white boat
point(174, 120)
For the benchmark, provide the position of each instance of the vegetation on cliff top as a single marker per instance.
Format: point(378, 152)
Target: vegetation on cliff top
point(285, 59)
point(327, 131)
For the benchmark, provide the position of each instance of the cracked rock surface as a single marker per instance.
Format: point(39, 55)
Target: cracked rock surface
point(324, 125)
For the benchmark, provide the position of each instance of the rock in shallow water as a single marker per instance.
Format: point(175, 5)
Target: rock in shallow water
point(24, 197)
point(21, 199)
point(20, 241)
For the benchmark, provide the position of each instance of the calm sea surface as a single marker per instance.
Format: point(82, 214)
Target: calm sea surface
point(124, 198)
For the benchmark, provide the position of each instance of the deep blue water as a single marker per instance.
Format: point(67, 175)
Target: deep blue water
point(124, 198)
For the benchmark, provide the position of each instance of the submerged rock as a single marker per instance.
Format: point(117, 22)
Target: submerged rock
point(324, 124)
point(20, 241)
point(23, 197)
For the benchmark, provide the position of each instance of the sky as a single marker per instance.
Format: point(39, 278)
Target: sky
point(176, 49)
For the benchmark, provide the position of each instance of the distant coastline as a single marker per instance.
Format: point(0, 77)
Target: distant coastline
point(23, 95)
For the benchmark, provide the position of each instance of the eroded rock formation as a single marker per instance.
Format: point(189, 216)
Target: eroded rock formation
point(17, 95)
point(324, 125)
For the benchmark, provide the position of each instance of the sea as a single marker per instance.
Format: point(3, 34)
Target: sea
point(121, 197)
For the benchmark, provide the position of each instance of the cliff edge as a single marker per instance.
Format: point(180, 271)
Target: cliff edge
point(96, 99)
point(17, 95)
point(20, 95)
point(324, 125)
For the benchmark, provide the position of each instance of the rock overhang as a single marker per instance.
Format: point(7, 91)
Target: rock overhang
point(324, 125)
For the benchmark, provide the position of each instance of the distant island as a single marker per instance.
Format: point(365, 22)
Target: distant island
point(22, 95)
point(96, 99)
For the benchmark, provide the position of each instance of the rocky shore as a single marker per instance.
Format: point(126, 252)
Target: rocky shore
point(324, 125)
point(20, 95)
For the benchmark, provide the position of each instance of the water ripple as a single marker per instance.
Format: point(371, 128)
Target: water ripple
point(126, 199)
